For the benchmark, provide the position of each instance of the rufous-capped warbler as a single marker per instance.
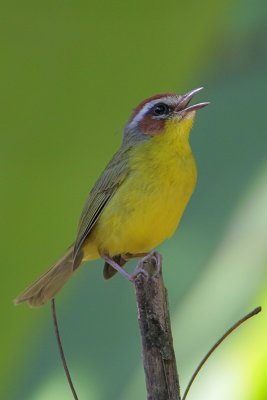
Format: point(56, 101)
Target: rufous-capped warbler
point(140, 197)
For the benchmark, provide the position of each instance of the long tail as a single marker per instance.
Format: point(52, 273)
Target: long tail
point(45, 287)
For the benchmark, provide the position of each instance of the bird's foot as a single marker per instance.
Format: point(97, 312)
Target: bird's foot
point(155, 256)
point(139, 270)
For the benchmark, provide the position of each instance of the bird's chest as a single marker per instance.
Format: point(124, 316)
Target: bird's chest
point(162, 190)
point(152, 201)
point(148, 205)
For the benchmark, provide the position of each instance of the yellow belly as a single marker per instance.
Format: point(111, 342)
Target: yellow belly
point(148, 205)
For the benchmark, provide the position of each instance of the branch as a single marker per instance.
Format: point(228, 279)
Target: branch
point(61, 351)
point(217, 344)
point(155, 328)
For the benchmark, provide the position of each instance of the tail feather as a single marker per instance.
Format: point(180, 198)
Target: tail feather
point(48, 284)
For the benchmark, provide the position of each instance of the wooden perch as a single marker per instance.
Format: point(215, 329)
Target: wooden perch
point(155, 328)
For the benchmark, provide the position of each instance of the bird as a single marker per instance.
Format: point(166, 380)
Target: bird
point(138, 200)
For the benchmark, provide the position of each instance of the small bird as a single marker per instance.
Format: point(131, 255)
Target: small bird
point(138, 200)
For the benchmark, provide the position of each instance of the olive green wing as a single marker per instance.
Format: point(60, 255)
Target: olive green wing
point(105, 187)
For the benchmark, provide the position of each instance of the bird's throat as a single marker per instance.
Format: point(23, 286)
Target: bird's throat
point(175, 138)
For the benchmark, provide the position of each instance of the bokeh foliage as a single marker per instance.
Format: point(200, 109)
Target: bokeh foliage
point(70, 74)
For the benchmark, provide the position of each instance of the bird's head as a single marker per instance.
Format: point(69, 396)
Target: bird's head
point(163, 112)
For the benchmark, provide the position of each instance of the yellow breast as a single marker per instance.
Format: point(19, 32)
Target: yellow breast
point(149, 204)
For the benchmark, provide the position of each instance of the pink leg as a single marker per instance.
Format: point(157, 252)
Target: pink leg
point(121, 270)
point(118, 268)
point(139, 269)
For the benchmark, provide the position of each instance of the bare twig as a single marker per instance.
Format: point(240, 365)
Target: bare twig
point(154, 321)
point(227, 333)
point(62, 355)
point(157, 348)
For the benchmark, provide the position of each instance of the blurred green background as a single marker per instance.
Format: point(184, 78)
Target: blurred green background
point(70, 74)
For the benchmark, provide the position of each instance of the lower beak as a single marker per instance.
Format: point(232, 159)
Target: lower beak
point(185, 100)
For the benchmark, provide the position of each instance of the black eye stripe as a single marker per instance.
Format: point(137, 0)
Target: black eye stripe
point(160, 109)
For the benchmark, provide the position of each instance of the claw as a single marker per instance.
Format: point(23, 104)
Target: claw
point(138, 271)
point(156, 257)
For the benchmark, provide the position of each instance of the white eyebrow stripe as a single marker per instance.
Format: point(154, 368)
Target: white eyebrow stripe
point(170, 100)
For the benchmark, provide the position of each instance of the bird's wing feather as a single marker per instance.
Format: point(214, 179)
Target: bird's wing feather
point(105, 187)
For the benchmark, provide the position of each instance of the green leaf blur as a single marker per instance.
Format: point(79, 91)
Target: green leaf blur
point(70, 74)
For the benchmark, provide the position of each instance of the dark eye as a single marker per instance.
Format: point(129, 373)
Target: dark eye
point(160, 109)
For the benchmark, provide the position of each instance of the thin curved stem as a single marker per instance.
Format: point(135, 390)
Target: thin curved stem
point(217, 344)
point(60, 347)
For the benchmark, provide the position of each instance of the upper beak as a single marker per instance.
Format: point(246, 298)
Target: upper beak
point(185, 99)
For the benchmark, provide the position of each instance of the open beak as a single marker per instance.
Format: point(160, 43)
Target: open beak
point(185, 100)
